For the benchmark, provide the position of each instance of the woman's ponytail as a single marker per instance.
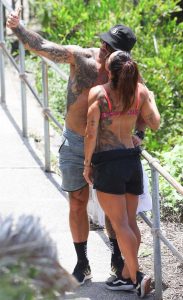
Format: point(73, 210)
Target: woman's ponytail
point(125, 76)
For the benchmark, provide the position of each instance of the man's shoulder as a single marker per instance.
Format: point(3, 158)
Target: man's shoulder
point(82, 50)
point(143, 91)
point(95, 50)
point(92, 51)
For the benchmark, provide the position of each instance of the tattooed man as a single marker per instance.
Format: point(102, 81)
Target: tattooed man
point(87, 69)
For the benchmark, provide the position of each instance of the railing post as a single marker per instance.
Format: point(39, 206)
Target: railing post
point(23, 90)
point(46, 119)
point(155, 230)
point(2, 69)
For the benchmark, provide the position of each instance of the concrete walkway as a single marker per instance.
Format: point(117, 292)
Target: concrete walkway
point(26, 189)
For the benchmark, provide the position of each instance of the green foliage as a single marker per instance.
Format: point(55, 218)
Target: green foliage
point(159, 53)
point(13, 286)
point(172, 206)
point(58, 90)
point(162, 71)
point(57, 87)
point(29, 266)
point(75, 22)
point(80, 22)
point(18, 282)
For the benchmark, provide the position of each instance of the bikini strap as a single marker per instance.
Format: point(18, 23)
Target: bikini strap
point(107, 98)
point(109, 102)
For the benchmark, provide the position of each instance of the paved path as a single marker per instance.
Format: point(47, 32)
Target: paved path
point(26, 189)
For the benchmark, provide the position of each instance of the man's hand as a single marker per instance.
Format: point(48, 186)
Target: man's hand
point(136, 140)
point(14, 18)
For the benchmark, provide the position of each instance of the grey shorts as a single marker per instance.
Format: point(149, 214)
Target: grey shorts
point(71, 161)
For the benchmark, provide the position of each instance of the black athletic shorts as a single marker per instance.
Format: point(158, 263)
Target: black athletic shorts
point(118, 171)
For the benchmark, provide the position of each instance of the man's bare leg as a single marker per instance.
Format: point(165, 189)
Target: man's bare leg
point(79, 226)
point(78, 216)
point(117, 262)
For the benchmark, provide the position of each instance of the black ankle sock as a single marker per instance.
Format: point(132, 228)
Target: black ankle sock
point(116, 253)
point(81, 251)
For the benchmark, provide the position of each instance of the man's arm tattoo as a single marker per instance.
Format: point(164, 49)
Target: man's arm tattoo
point(85, 76)
point(34, 42)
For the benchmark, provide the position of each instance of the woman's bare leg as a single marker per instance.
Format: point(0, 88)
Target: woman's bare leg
point(131, 203)
point(115, 207)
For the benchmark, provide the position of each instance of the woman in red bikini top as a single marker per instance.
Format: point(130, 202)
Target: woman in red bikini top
point(112, 120)
point(117, 173)
point(114, 107)
point(118, 105)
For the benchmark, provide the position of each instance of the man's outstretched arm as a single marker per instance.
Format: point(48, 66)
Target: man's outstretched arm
point(36, 43)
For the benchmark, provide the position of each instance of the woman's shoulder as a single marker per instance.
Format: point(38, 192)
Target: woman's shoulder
point(99, 96)
point(97, 89)
point(94, 94)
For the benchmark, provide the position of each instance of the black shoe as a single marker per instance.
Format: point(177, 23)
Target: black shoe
point(82, 272)
point(143, 286)
point(120, 284)
point(117, 266)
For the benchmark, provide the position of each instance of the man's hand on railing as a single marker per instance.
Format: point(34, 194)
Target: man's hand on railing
point(14, 18)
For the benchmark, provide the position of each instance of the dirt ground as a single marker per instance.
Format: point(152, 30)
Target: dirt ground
point(172, 268)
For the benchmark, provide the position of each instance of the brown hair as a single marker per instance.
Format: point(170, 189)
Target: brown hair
point(124, 77)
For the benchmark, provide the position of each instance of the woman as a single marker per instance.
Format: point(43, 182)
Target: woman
point(111, 157)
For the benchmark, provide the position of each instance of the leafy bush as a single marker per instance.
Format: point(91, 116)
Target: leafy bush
point(171, 201)
point(80, 22)
point(159, 53)
point(56, 86)
point(29, 266)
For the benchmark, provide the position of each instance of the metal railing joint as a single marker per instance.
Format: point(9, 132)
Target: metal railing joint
point(46, 111)
point(23, 76)
point(155, 231)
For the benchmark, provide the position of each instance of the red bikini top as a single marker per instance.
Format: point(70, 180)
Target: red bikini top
point(131, 112)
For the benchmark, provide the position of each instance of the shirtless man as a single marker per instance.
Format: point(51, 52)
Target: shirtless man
point(87, 69)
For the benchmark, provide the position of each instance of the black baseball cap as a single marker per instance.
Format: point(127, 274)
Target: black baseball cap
point(119, 37)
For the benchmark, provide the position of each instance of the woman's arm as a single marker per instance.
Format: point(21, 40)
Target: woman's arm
point(149, 110)
point(91, 134)
point(141, 125)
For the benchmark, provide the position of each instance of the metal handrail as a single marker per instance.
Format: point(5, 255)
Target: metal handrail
point(164, 240)
point(156, 168)
point(155, 163)
point(7, 5)
point(56, 68)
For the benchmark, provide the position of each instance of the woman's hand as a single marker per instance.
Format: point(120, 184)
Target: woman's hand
point(87, 173)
